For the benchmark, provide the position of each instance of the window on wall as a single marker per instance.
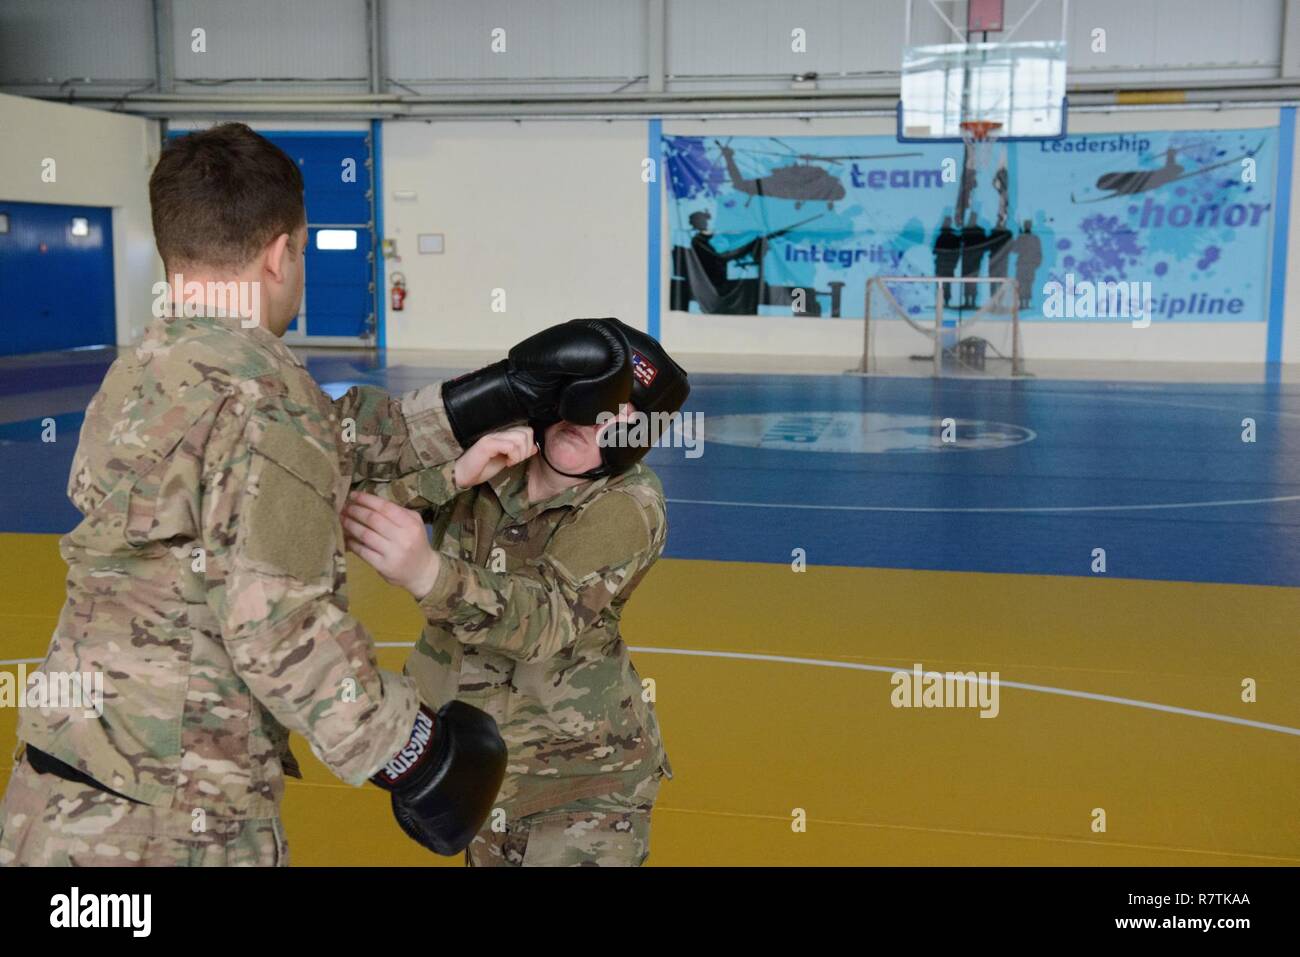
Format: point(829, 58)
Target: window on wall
point(339, 239)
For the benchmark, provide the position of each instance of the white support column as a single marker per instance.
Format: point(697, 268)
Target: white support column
point(656, 44)
point(1290, 66)
point(164, 54)
point(375, 45)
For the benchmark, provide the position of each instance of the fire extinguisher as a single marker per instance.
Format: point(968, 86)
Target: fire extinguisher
point(399, 291)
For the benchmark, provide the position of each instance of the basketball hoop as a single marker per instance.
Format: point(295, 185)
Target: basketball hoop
point(980, 136)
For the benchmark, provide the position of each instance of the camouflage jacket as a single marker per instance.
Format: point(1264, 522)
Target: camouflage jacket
point(523, 622)
point(206, 580)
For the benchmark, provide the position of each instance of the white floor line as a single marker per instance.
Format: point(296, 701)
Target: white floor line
point(1142, 400)
point(890, 669)
point(1045, 689)
point(1009, 508)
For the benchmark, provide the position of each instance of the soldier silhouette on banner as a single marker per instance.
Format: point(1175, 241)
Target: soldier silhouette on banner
point(947, 251)
point(999, 243)
point(706, 271)
point(974, 244)
point(1029, 256)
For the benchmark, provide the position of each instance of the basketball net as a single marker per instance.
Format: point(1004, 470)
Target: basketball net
point(981, 138)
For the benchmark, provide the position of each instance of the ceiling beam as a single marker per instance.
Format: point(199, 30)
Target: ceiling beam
point(164, 54)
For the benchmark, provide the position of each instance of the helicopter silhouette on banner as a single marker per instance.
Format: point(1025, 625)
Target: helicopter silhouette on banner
point(785, 180)
point(807, 179)
point(1132, 182)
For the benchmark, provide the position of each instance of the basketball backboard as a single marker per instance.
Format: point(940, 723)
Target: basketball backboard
point(988, 61)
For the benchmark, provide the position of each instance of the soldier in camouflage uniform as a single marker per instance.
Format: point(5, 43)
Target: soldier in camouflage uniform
point(534, 567)
point(206, 580)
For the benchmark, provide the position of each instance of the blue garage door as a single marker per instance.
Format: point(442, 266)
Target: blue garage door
point(56, 277)
point(339, 301)
point(338, 306)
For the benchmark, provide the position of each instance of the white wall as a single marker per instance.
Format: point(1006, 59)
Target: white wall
point(102, 159)
point(552, 213)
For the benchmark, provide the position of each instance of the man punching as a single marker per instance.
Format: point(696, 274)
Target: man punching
point(534, 558)
point(206, 579)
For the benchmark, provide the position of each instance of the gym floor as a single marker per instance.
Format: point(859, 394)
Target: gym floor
point(1121, 695)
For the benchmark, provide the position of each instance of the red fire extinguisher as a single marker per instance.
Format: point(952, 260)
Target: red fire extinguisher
point(399, 291)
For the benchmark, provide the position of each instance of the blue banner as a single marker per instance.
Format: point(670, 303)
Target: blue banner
point(759, 223)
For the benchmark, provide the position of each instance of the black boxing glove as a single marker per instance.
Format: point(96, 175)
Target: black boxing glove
point(573, 371)
point(446, 777)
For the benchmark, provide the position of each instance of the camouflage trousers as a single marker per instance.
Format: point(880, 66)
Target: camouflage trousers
point(47, 821)
point(612, 830)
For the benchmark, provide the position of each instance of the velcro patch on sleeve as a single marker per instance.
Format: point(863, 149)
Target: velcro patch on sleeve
point(291, 525)
point(289, 528)
point(610, 531)
point(297, 454)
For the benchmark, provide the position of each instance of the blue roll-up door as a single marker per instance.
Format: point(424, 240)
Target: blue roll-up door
point(338, 305)
point(56, 277)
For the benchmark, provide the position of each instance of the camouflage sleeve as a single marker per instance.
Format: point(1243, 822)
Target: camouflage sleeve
point(275, 568)
point(534, 613)
point(423, 490)
point(394, 436)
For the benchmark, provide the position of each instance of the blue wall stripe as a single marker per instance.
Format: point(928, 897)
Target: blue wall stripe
point(380, 270)
point(1281, 233)
point(654, 194)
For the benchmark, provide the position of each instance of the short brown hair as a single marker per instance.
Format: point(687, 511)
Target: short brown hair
point(220, 195)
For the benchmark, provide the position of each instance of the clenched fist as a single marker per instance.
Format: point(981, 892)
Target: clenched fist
point(492, 453)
